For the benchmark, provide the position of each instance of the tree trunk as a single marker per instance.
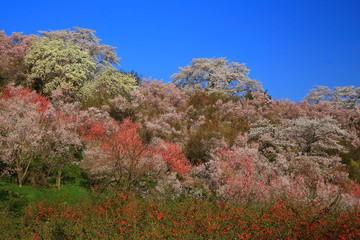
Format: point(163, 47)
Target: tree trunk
point(58, 179)
point(22, 174)
point(22, 177)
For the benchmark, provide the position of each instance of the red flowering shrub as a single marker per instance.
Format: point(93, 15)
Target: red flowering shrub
point(25, 94)
point(174, 158)
point(118, 153)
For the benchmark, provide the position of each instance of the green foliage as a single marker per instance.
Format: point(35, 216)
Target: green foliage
point(197, 149)
point(54, 64)
point(354, 171)
point(352, 155)
point(39, 173)
point(70, 194)
point(74, 175)
point(11, 202)
point(3, 81)
point(204, 103)
point(135, 75)
point(109, 84)
point(208, 135)
point(103, 55)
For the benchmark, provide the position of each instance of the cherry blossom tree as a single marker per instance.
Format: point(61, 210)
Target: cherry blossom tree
point(156, 107)
point(216, 75)
point(12, 56)
point(347, 96)
point(61, 142)
point(32, 129)
point(319, 93)
point(312, 137)
point(22, 133)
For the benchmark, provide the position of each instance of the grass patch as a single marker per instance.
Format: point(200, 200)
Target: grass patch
point(70, 194)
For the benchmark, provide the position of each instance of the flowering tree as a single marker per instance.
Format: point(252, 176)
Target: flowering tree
point(21, 133)
point(60, 141)
point(109, 83)
point(56, 64)
point(242, 175)
point(173, 157)
point(119, 155)
point(311, 137)
point(237, 175)
point(216, 75)
point(347, 97)
point(12, 56)
point(319, 93)
point(32, 129)
point(103, 55)
point(154, 106)
point(314, 136)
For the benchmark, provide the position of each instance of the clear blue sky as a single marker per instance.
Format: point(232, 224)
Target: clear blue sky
point(289, 45)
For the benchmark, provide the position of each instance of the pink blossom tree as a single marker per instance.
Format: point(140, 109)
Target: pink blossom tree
point(33, 130)
point(21, 129)
point(122, 157)
point(13, 50)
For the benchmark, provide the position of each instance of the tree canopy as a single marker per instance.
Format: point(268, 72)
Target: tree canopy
point(216, 75)
point(12, 57)
point(347, 96)
point(103, 55)
point(109, 84)
point(56, 64)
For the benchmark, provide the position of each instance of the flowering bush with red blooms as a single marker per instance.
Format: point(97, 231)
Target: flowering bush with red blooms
point(24, 94)
point(241, 177)
point(174, 158)
point(125, 217)
point(115, 152)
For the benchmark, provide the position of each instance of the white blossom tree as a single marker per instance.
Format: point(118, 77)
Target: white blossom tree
point(319, 93)
point(347, 96)
point(216, 75)
point(303, 136)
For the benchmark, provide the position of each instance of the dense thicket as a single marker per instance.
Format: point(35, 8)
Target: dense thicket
point(212, 133)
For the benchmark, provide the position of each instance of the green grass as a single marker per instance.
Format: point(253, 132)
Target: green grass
point(14, 200)
point(70, 194)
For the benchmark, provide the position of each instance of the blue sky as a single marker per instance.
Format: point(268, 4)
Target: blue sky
point(289, 45)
